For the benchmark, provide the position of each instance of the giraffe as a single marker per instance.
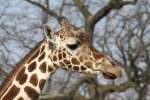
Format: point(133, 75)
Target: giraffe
point(69, 49)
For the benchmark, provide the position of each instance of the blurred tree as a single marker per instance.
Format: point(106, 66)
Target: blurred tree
point(119, 28)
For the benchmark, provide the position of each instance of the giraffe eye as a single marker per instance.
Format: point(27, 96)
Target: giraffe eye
point(73, 46)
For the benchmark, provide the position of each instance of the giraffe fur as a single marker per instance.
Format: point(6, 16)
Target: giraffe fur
point(69, 49)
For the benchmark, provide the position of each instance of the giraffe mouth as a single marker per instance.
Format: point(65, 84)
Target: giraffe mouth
point(109, 72)
point(108, 75)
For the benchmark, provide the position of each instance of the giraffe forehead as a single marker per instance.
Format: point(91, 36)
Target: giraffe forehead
point(64, 35)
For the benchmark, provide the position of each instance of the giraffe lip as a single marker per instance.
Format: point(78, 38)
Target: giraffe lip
point(109, 75)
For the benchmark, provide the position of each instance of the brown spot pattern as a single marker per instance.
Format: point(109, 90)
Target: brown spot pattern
point(98, 55)
point(88, 64)
point(64, 49)
point(67, 62)
point(43, 67)
point(55, 52)
point(76, 68)
point(32, 66)
point(85, 58)
point(21, 77)
point(61, 36)
point(54, 58)
point(81, 58)
point(34, 56)
point(12, 93)
point(59, 50)
point(50, 69)
point(32, 93)
point(42, 49)
point(83, 67)
point(34, 80)
point(60, 56)
point(64, 55)
point(55, 64)
point(75, 61)
point(103, 60)
point(92, 49)
point(41, 57)
point(69, 66)
point(41, 83)
point(61, 64)
point(21, 98)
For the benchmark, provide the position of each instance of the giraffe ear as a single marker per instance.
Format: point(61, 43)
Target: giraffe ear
point(49, 35)
point(47, 32)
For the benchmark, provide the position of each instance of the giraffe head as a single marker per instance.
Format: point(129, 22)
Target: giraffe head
point(73, 50)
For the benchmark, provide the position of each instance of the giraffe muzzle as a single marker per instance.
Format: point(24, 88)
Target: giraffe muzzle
point(112, 72)
point(108, 71)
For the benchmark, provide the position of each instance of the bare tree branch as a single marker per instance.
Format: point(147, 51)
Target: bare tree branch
point(83, 9)
point(113, 4)
point(47, 10)
point(89, 79)
point(91, 20)
point(116, 88)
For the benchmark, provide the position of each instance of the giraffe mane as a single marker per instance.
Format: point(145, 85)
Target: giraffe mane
point(8, 80)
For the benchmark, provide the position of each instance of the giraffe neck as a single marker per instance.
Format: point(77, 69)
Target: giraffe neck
point(28, 77)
